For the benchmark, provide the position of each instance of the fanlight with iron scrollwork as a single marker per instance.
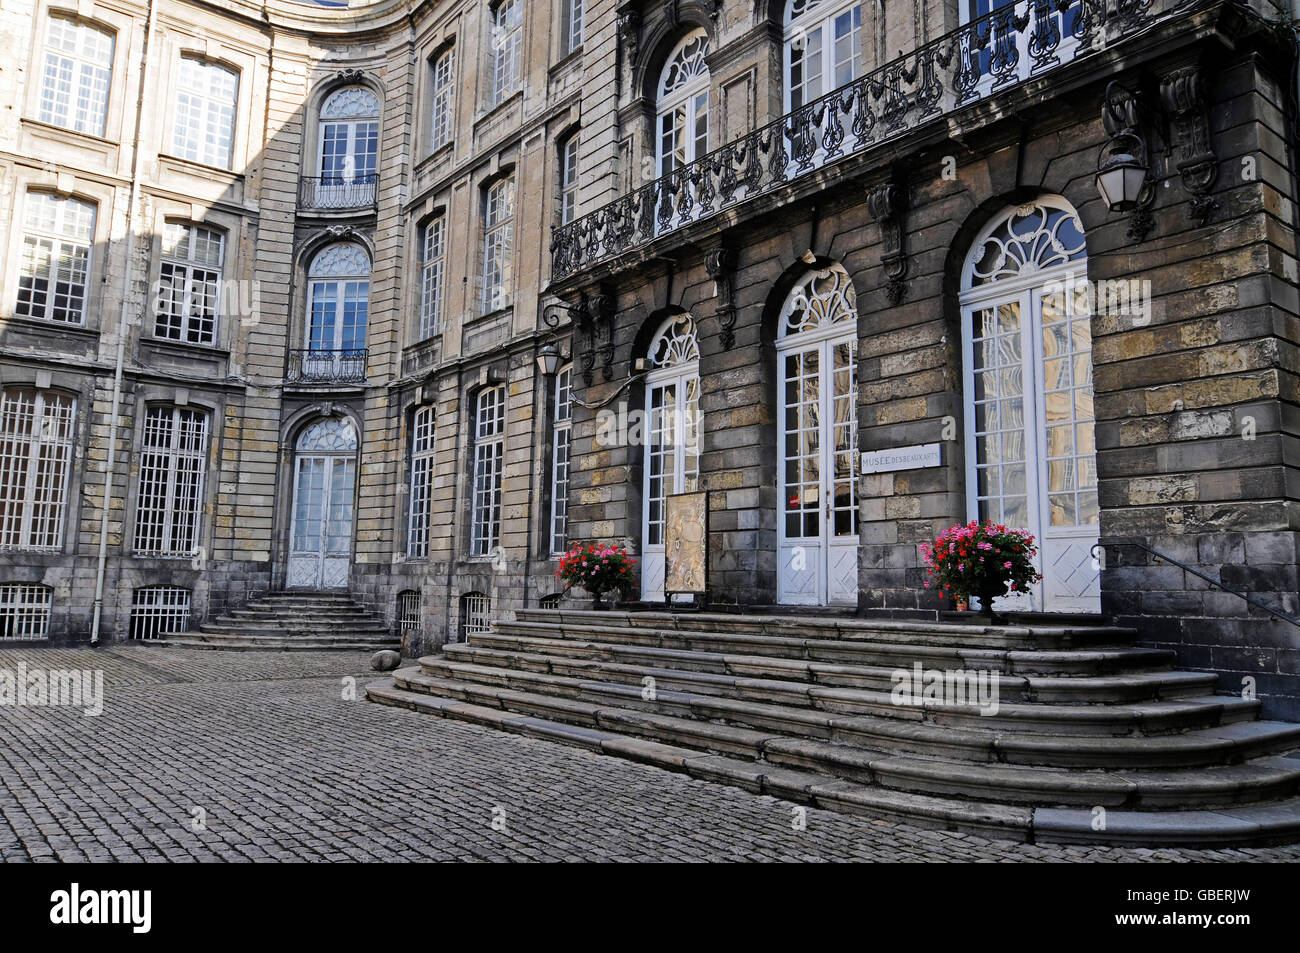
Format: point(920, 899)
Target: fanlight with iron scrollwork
point(824, 298)
point(1025, 240)
point(676, 343)
point(331, 435)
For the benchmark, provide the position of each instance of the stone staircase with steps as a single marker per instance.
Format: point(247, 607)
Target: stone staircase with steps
point(291, 621)
point(1094, 739)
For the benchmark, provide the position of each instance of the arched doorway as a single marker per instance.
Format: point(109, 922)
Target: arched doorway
point(1027, 356)
point(817, 561)
point(673, 435)
point(324, 490)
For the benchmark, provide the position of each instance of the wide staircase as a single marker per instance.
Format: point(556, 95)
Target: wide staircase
point(289, 621)
point(1093, 739)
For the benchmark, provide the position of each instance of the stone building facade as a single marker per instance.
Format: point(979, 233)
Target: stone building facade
point(306, 269)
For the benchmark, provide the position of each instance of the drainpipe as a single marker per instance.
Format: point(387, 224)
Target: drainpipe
point(122, 322)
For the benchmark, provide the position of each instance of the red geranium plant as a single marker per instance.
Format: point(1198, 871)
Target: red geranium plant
point(598, 569)
point(982, 560)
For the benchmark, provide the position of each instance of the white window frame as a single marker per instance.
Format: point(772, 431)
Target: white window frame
point(170, 484)
point(157, 611)
point(76, 75)
point(443, 98)
point(506, 41)
point(339, 273)
point(25, 611)
point(562, 428)
point(498, 244)
point(423, 449)
point(188, 304)
point(37, 429)
point(58, 235)
point(489, 467)
point(569, 179)
point(433, 254)
point(358, 160)
point(682, 105)
point(810, 30)
point(574, 17)
point(203, 129)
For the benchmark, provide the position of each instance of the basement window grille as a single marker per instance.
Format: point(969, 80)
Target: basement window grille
point(552, 601)
point(24, 612)
point(408, 613)
point(475, 614)
point(159, 610)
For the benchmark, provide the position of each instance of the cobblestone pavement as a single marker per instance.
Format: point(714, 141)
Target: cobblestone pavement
point(265, 751)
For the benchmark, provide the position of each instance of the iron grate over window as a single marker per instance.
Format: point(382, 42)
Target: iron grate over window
point(475, 614)
point(408, 612)
point(159, 610)
point(24, 612)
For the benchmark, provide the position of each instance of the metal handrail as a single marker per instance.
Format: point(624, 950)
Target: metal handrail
point(336, 193)
point(1005, 47)
point(327, 366)
point(1285, 617)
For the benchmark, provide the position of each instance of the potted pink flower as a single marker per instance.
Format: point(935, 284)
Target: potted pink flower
point(598, 568)
point(981, 560)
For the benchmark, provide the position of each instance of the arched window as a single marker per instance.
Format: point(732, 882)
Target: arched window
point(159, 610)
point(324, 488)
point(673, 435)
point(349, 136)
point(54, 272)
point(78, 71)
point(36, 429)
point(421, 498)
point(1027, 349)
point(817, 401)
point(338, 305)
point(206, 98)
point(682, 103)
point(562, 425)
point(475, 614)
point(24, 611)
point(489, 422)
point(823, 48)
point(189, 283)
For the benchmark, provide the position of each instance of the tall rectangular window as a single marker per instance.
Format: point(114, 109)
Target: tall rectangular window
point(562, 426)
point(189, 284)
point(443, 100)
point(76, 76)
point(498, 239)
point(568, 180)
point(432, 261)
point(507, 39)
point(173, 458)
point(35, 467)
point(55, 267)
point(489, 459)
point(204, 129)
point(422, 453)
point(574, 14)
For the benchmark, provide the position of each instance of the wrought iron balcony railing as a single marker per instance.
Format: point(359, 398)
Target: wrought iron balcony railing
point(337, 193)
point(327, 367)
point(980, 59)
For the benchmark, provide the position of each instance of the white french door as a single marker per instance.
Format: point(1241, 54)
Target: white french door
point(348, 154)
point(1031, 456)
point(320, 551)
point(817, 560)
point(672, 463)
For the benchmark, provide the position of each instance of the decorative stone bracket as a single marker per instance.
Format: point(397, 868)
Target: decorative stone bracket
point(888, 204)
point(1182, 93)
point(629, 36)
point(593, 316)
point(720, 263)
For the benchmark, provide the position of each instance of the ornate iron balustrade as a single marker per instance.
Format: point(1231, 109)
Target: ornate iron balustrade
point(337, 193)
point(978, 60)
point(327, 367)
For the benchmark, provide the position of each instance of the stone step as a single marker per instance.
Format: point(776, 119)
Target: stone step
point(844, 629)
point(1269, 822)
point(870, 692)
point(291, 621)
point(591, 641)
point(757, 673)
point(203, 641)
point(1224, 744)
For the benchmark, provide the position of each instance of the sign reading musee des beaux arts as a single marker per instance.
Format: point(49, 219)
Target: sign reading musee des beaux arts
point(900, 458)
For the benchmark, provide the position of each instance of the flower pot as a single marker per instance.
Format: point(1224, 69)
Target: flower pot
point(598, 601)
point(986, 596)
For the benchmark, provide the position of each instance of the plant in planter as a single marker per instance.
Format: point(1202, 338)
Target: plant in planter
point(981, 560)
point(598, 569)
